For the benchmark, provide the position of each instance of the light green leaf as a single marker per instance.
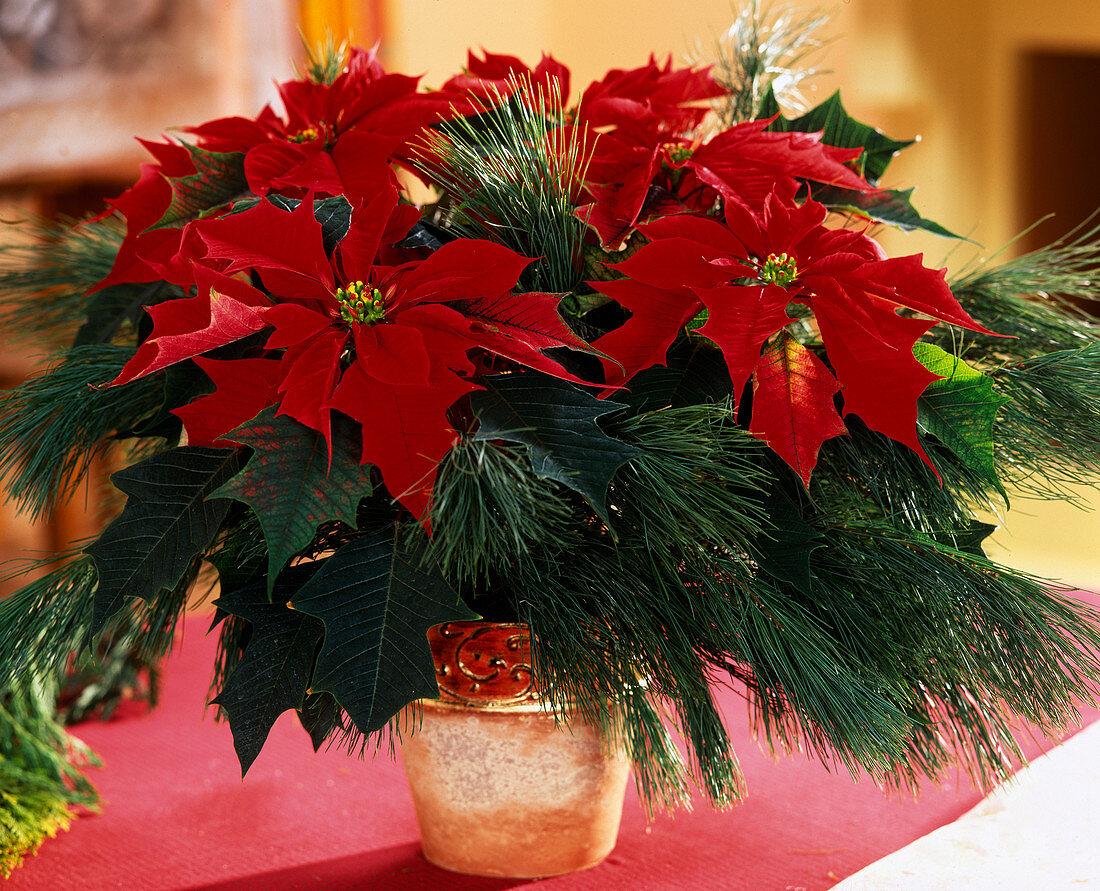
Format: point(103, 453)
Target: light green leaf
point(960, 410)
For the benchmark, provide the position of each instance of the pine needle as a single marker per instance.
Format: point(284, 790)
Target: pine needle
point(1040, 302)
point(1048, 436)
point(44, 282)
point(46, 621)
point(489, 510)
point(512, 175)
point(41, 773)
point(326, 61)
point(761, 51)
point(54, 425)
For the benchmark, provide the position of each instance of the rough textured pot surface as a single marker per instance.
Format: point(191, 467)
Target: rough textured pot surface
point(499, 790)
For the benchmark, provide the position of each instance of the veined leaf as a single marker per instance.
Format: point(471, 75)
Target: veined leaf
point(959, 410)
point(273, 674)
point(891, 206)
point(557, 423)
point(318, 717)
point(169, 518)
point(377, 603)
point(839, 129)
point(695, 373)
point(290, 484)
point(217, 178)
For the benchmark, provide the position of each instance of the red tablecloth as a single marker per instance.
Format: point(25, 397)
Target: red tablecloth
point(178, 816)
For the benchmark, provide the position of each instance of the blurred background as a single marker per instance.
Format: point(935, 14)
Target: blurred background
point(1004, 96)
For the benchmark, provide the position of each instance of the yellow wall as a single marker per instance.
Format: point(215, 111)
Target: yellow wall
point(942, 69)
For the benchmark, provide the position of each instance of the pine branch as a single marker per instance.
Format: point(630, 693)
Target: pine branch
point(511, 175)
point(1048, 436)
point(32, 809)
point(684, 509)
point(45, 624)
point(54, 425)
point(326, 61)
point(489, 510)
point(44, 283)
point(869, 476)
point(761, 50)
point(1035, 300)
point(967, 643)
point(46, 621)
point(41, 773)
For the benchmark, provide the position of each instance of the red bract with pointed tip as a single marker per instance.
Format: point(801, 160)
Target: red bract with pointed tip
point(147, 254)
point(337, 139)
point(496, 76)
point(365, 117)
point(746, 272)
point(792, 404)
point(389, 346)
point(651, 94)
point(642, 172)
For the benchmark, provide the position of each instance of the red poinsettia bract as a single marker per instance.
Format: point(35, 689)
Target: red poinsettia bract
point(331, 131)
point(745, 271)
point(640, 172)
point(336, 139)
point(388, 345)
point(497, 76)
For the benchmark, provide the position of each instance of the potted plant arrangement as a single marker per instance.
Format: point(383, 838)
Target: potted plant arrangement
point(637, 383)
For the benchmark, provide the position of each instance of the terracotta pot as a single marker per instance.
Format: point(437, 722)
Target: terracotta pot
point(499, 790)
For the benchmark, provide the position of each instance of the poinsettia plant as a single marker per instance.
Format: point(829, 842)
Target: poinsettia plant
point(642, 380)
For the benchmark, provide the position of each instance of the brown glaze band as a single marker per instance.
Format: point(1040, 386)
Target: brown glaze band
point(483, 664)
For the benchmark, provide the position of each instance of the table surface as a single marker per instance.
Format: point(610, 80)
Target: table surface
point(177, 814)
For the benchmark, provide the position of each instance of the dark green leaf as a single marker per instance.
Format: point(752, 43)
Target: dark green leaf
point(841, 130)
point(289, 484)
point(240, 557)
point(169, 519)
point(960, 410)
point(105, 311)
point(784, 547)
point(557, 423)
point(891, 206)
point(217, 178)
point(696, 373)
point(334, 215)
point(425, 235)
point(273, 674)
point(968, 540)
point(318, 716)
point(377, 603)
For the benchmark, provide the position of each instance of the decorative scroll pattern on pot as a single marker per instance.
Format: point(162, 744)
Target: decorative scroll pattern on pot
point(483, 664)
